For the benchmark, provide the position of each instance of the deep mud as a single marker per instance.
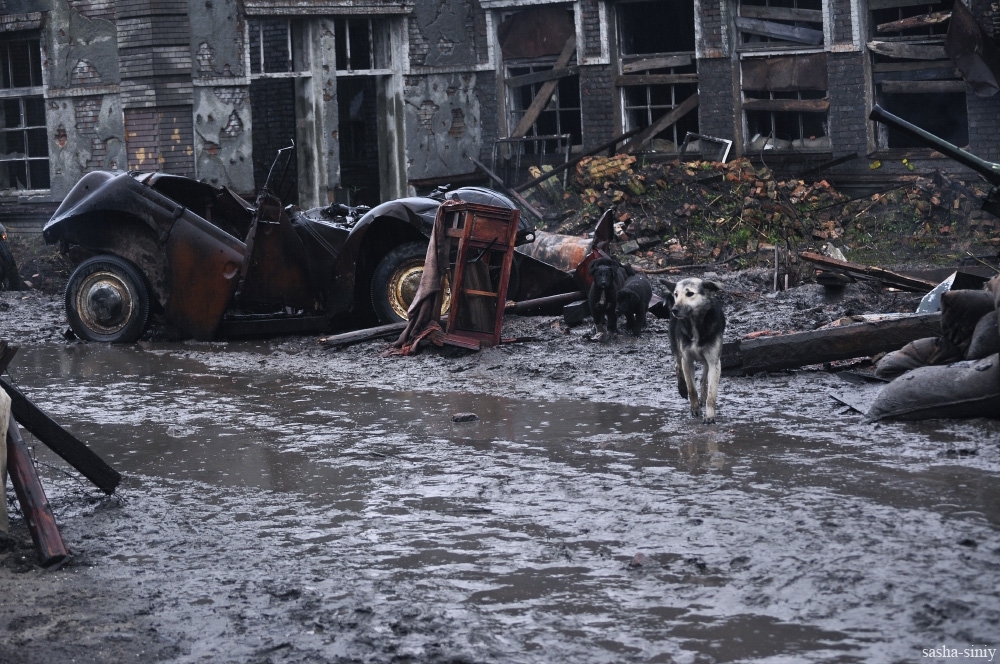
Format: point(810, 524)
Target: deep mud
point(287, 502)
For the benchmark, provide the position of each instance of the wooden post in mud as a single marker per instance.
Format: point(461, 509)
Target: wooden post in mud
point(62, 442)
point(31, 496)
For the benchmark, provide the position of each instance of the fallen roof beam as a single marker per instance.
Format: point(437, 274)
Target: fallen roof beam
point(887, 277)
point(544, 93)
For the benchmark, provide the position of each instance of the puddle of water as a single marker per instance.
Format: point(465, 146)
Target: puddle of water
point(365, 523)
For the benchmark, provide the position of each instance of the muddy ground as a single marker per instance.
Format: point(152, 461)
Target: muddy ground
point(288, 502)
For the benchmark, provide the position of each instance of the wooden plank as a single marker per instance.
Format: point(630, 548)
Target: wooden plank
point(656, 79)
point(662, 62)
point(60, 441)
point(880, 67)
point(908, 50)
point(924, 20)
point(367, 334)
point(922, 87)
point(918, 75)
point(885, 276)
point(789, 351)
point(791, 105)
point(542, 76)
point(665, 121)
point(781, 31)
point(34, 505)
point(525, 307)
point(782, 13)
point(544, 94)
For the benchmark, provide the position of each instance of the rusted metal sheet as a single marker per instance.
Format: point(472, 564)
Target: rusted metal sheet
point(786, 73)
point(973, 51)
point(275, 266)
point(536, 32)
point(205, 267)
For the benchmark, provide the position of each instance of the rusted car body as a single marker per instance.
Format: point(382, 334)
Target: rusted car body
point(217, 266)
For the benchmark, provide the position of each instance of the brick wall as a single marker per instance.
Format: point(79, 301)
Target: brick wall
point(716, 100)
point(598, 99)
point(160, 139)
point(848, 114)
point(272, 100)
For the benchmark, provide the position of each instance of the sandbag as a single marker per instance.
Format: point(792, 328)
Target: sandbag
point(919, 353)
point(985, 338)
point(961, 311)
point(959, 390)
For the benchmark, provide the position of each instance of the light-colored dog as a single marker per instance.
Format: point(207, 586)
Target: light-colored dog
point(697, 323)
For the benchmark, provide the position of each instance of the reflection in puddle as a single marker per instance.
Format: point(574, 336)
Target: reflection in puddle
point(549, 531)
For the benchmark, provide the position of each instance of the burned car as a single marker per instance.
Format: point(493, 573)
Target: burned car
point(216, 266)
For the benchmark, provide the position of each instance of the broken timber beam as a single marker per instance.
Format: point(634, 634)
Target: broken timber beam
point(544, 93)
point(887, 277)
point(846, 342)
point(366, 334)
point(665, 121)
point(60, 441)
point(30, 494)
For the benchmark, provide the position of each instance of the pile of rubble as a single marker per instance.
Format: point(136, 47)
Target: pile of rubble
point(674, 213)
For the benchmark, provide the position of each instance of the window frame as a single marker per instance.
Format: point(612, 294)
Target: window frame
point(23, 94)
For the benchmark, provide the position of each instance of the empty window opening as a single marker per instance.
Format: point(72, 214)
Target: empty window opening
point(276, 46)
point(658, 71)
point(770, 24)
point(913, 77)
point(785, 102)
point(362, 44)
point(357, 104)
point(24, 149)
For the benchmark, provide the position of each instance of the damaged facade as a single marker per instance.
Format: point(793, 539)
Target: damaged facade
point(386, 98)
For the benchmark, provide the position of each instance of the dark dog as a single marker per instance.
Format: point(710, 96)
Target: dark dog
point(633, 302)
point(697, 323)
point(609, 276)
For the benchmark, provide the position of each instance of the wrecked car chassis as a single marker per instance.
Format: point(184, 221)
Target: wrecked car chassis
point(215, 266)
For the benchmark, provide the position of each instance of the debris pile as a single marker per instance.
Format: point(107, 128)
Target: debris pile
point(673, 213)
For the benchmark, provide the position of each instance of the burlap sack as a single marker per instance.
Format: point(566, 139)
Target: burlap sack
point(919, 353)
point(958, 390)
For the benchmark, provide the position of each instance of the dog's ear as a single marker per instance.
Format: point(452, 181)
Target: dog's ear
point(711, 286)
point(669, 285)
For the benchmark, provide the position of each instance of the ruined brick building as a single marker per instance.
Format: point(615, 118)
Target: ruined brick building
point(387, 98)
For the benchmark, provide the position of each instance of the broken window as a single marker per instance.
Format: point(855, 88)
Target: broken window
point(658, 78)
point(362, 44)
point(913, 77)
point(543, 85)
point(785, 102)
point(24, 149)
point(770, 24)
point(278, 59)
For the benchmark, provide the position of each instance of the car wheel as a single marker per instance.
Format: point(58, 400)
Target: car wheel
point(107, 300)
point(396, 280)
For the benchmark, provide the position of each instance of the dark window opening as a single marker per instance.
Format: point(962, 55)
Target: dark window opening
point(561, 115)
point(942, 114)
point(362, 44)
point(357, 104)
point(24, 148)
point(656, 27)
point(275, 46)
point(272, 100)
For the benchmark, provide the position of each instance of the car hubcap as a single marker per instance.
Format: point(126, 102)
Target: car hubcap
point(403, 288)
point(104, 302)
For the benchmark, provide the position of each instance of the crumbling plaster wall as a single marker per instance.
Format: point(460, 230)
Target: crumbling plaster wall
point(222, 121)
point(443, 124)
point(447, 33)
point(84, 114)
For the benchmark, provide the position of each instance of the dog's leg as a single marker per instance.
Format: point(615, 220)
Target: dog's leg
point(692, 386)
point(713, 369)
point(682, 386)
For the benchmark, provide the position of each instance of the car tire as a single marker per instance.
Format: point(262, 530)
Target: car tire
point(10, 279)
point(107, 300)
point(396, 279)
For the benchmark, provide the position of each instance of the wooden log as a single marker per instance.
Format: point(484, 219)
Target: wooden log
point(367, 334)
point(35, 506)
point(60, 441)
point(790, 351)
point(525, 307)
point(544, 93)
point(921, 21)
point(887, 277)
